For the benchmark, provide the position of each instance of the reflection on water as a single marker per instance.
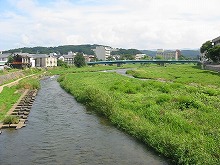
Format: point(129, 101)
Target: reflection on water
point(61, 131)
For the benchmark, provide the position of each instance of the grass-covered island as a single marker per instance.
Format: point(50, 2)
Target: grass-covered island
point(176, 110)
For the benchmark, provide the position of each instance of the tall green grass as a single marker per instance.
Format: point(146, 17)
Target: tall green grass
point(184, 73)
point(6, 71)
point(29, 83)
point(180, 121)
point(8, 98)
point(95, 68)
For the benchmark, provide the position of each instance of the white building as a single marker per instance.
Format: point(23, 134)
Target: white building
point(102, 52)
point(61, 58)
point(44, 60)
point(32, 59)
point(68, 58)
point(140, 56)
point(2, 65)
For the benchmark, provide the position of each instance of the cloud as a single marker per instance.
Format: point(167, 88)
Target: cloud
point(142, 24)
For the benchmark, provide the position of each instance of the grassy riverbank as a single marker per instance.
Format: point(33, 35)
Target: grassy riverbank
point(2, 72)
point(185, 74)
point(8, 97)
point(178, 119)
point(95, 68)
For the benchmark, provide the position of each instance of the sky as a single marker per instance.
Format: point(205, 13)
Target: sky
point(139, 24)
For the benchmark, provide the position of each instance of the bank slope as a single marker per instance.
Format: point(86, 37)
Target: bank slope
point(177, 120)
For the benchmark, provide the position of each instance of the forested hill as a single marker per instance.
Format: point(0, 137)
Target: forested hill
point(87, 49)
point(126, 52)
point(190, 53)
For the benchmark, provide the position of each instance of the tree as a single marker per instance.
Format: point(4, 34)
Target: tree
point(10, 120)
point(79, 60)
point(214, 54)
point(206, 46)
point(110, 58)
point(210, 51)
point(62, 63)
point(10, 59)
point(159, 57)
point(127, 57)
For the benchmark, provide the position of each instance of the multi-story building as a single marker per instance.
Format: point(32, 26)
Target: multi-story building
point(68, 58)
point(140, 56)
point(102, 52)
point(44, 60)
point(216, 41)
point(21, 60)
point(160, 53)
point(168, 54)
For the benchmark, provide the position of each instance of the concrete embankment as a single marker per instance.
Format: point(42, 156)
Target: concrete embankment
point(21, 109)
point(213, 67)
point(10, 76)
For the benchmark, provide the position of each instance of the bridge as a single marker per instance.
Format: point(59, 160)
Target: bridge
point(161, 62)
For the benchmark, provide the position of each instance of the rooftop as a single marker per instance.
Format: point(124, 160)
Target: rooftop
point(216, 39)
point(5, 55)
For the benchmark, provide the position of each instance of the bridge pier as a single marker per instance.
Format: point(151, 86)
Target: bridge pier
point(162, 64)
point(119, 64)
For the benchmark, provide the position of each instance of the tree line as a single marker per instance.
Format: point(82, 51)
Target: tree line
point(60, 50)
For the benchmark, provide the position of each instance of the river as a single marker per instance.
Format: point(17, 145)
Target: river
point(61, 131)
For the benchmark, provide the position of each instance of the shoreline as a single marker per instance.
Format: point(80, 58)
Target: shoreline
point(21, 109)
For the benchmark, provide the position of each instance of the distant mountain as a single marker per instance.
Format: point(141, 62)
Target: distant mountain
point(190, 53)
point(149, 52)
point(87, 49)
point(126, 52)
point(185, 53)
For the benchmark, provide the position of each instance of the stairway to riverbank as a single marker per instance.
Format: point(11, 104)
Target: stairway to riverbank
point(21, 109)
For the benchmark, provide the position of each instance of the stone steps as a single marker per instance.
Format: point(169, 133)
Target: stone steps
point(22, 110)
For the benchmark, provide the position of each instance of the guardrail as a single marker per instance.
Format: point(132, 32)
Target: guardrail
point(143, 62)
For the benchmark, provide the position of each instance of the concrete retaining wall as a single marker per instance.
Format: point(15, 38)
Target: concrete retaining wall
point(213, 67)
point(10, 76)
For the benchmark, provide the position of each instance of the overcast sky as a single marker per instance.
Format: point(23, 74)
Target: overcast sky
point(140, 24)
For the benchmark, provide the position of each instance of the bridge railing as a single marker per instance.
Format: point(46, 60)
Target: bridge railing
point(143, 61)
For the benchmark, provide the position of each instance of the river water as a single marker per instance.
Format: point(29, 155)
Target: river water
point(61, 131)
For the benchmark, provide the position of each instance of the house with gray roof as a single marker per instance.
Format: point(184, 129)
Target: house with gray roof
point(4, 57)
point(21, 60)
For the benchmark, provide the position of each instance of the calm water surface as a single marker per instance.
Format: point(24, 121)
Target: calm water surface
point(62, 131)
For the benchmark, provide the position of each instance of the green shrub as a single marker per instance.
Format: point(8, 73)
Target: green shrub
point(163, 98)
point(98, 100)
point(29, 83)
point(211, 92)
point(10, 120)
